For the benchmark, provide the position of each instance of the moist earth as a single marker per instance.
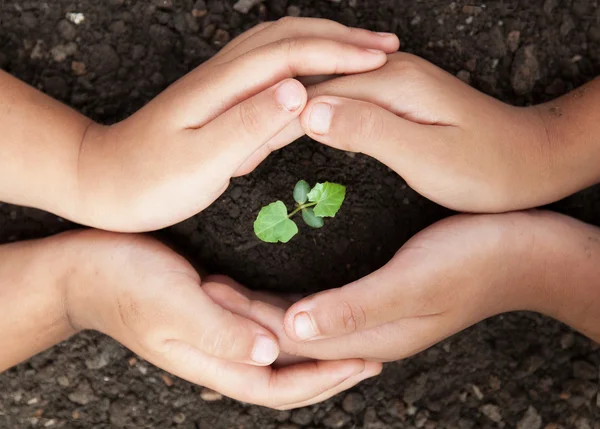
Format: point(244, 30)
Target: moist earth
point(518, 370)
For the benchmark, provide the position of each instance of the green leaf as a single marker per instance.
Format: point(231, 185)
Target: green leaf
point(301, 191)
point(329, 198)
point(310, 219)
point(273, 225)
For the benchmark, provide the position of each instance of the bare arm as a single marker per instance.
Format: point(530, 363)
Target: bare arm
point(32, 300)
point(176, 155)
point(39, 146)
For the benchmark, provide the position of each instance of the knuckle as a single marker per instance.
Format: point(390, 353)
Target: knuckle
point(215, 341)
point(250, 117)
point(369, 122)
point(262, 25)
point(406, 67)
point(287, 21)
point(130, 311)
point(288, 45)
point(352, 316)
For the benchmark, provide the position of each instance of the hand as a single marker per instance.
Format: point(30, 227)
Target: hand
point(175, 156)
point(151, 300)
point(452, 275)
point(451, 143)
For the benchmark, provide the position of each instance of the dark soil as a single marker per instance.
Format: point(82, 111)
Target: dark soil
point(516, 369)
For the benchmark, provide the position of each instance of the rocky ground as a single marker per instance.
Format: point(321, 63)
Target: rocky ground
point(108, 58)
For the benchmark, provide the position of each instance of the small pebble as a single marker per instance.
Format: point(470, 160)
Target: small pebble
point(63, 381)
point(336, 419)
point(302, 416)
point(294, 11)
point(492, 412)
point(531, 420)
point(75, 17)
point(353, 403)
point(244, 6)
point(465, 76)
point(209, 395)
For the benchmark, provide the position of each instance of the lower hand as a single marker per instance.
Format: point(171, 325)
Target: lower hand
point(452, 275)
point(151, 300)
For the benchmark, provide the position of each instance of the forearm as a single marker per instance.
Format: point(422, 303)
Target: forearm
point(33, 302)
point(572, 150)
point(39, 147)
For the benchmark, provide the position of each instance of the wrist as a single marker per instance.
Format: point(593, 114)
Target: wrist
point(82, 285)
point(570, 149)
point(568, 287)
point(82, 205)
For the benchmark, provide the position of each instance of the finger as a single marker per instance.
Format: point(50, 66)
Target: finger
point(392, 341)
point(211, 329)
point(247, 127)
point(282, 301)
point(401, 289)
point(372, 369)
point(275, 388)
point(358, 126)
point(239, 300)
point(232, 82)
point(292, 132)
point(264, 309)
point(290, 27)
point(241, 38)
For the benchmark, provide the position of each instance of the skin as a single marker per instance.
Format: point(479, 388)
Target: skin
point(161, 165)
point(448, 277)
point(468, 152)
point(453, 144)
point(165, 163)
point(150, 299)
point(413, 117)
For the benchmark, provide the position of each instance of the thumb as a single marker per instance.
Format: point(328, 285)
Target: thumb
point(247, 127)
point(398, 290)
point(188, 317)
point(359, 126)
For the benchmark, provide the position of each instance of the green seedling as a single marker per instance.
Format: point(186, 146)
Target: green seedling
point(274, 224)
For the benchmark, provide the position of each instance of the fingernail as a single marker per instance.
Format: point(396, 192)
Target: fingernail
point(385, 34)
point(320, 118)
point(265, 350)
point(289, 95)
point(303, 326)
point(376, 51)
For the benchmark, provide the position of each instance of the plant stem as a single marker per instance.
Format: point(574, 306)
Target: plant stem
point(300, 207)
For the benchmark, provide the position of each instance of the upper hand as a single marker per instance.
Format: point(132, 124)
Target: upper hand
point(151, 300)
point(453, 144)
point(176, 155)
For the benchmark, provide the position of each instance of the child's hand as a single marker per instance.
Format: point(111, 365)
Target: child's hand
point(453, 144)
point(175, 156)
point(151, 300)
point(452, 275)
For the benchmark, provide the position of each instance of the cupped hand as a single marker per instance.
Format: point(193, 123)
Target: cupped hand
point(176, 155)
point(453, 144)
point(450, 276)
point(144, 295)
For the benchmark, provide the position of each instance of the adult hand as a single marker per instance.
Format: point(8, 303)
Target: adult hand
point(175, 156)
point(453, 144)
point(452, 275)
point(151, 300)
